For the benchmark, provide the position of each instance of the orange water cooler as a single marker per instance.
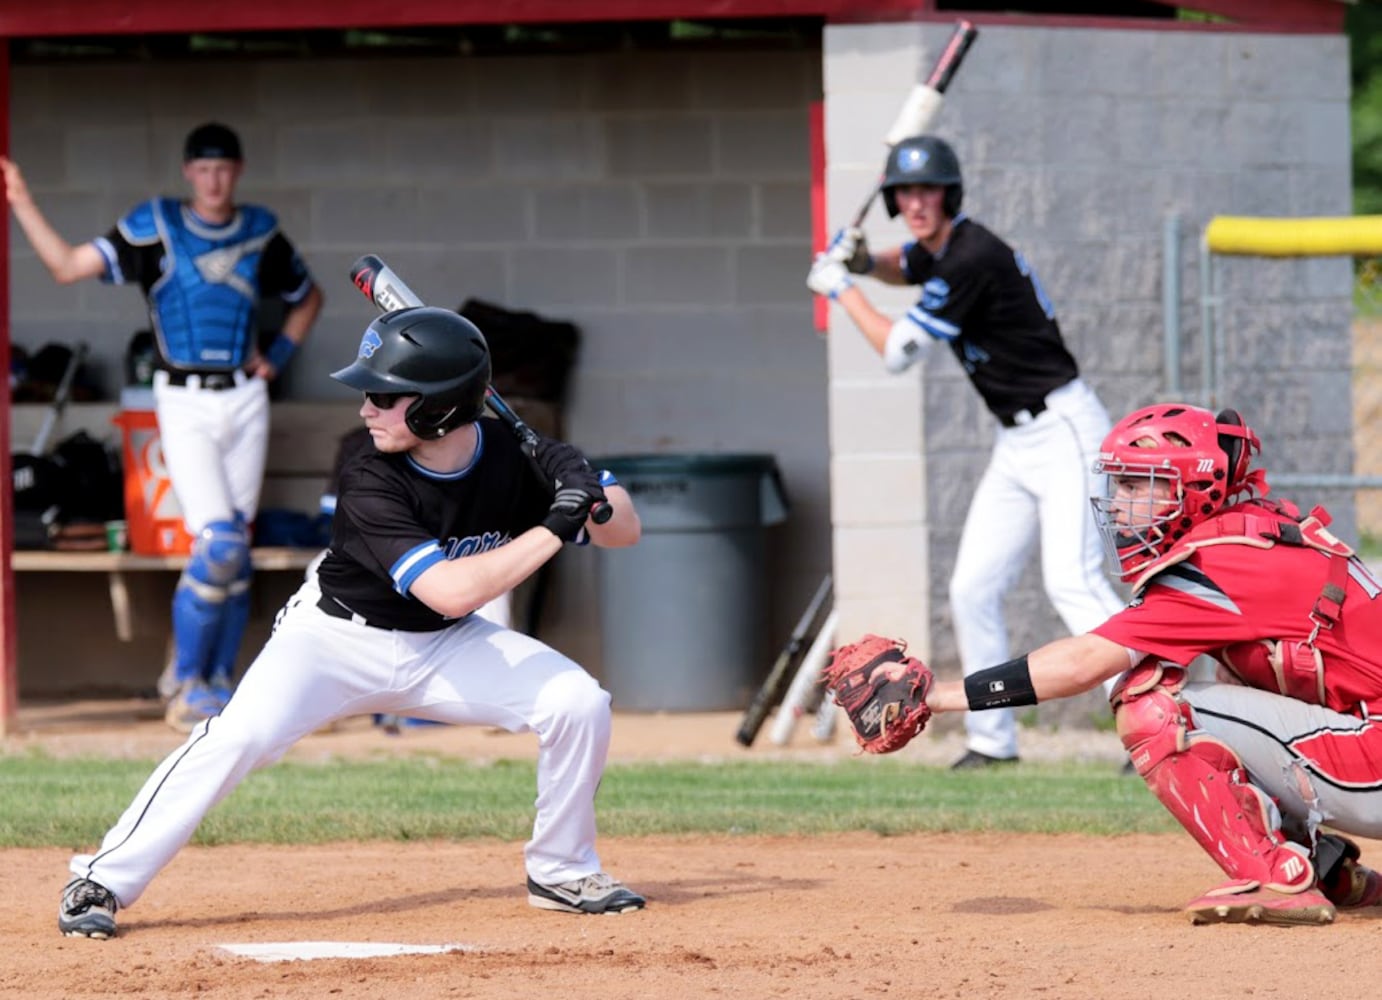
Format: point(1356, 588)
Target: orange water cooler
point(152, 511)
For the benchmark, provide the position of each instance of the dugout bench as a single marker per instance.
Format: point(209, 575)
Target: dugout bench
point(63, 636)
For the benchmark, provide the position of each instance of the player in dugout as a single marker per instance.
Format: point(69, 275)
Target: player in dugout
point(1275, 761)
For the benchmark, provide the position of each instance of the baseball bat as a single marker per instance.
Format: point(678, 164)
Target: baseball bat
point(381, 285)
point(768, 693)
point(924, 101)
point(805, 682)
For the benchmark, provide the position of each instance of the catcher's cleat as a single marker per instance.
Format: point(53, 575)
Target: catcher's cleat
point(87, 910)
point(1246, 902)
point(598, 893)
point(1348, 884)
point(973, 759)
point(194, 702)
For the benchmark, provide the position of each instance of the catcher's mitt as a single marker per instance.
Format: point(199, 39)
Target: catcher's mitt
point(882, 691)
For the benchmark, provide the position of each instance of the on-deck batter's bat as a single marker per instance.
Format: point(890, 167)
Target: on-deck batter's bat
point(381, 285)
point(771, 690)
point(804, 684)
point(924, 101)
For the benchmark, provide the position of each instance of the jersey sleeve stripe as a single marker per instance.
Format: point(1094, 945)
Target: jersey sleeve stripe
point(939, 328)
point(107, 250)
point(413, 563)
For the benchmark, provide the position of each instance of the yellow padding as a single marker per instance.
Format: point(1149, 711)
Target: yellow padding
point(1356, 235)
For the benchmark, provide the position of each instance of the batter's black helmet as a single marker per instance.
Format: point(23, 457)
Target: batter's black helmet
point(437, 354)
point(923, 159)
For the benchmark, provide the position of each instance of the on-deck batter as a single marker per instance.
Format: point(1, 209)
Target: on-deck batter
point(442, 516)
point(982, 298)
point(203, 265)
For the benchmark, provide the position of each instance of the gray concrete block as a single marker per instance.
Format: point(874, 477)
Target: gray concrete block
point(444, 148)
point(587, 212)
point(549, 149)
point(532, 84)
point(773, 143)
point(474, 213)
point(784, 210)
point(364, 215)
point(660, 145)
point(642, 81)
point(556, 278)
point(742, 81)
point(332, 153)
point(771, 274)
point(677, 210)
point(678, 275)
point(102, 156)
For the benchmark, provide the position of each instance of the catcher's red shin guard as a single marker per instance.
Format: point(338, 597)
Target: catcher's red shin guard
point(1203, 784)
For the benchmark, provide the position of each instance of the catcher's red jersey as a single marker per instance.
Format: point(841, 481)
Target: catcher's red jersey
point(1233, 593)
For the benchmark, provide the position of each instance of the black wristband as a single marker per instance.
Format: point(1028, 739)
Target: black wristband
point(1004, 686)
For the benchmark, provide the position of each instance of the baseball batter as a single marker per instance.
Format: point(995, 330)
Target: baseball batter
point(443, 515)
point(982, 298)
point(203, 266)
point(1271, 766)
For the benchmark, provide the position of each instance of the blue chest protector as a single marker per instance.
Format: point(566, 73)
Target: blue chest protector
point(203, 304)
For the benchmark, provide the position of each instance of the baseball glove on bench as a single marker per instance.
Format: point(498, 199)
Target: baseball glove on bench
point(881, 690)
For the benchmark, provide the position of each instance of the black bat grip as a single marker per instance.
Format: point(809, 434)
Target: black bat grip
point(600, 511)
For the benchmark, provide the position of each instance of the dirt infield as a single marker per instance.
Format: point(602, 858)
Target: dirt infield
point(851, 916)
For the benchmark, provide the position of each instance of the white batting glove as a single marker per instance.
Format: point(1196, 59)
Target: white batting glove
point(828, 276)
point(851, 249)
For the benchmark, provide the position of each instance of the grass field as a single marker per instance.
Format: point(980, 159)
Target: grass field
point(69, 802)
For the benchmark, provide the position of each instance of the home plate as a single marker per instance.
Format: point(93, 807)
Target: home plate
point(290, 951)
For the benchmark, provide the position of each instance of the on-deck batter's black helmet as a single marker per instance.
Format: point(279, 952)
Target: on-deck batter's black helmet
point(923, 159)
point(437, 354)
point(212, 141)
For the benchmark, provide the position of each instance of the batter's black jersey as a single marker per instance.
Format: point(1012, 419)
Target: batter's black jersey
point(981, 297)
point(394, 520)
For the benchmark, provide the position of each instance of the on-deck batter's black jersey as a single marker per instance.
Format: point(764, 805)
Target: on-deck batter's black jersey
point(395, 519)
point(981, 297)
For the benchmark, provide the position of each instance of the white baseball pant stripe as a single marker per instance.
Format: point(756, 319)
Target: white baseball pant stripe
point(1037, 485)
point(315, 669)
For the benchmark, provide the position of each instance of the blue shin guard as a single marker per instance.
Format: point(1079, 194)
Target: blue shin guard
point(212, 590)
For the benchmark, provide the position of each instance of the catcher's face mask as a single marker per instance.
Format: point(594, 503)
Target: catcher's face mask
point(1135, 511)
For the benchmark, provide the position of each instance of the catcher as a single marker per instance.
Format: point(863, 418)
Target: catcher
point(1286, 741)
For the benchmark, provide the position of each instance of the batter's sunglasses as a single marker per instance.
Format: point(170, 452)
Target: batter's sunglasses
point(386, 400)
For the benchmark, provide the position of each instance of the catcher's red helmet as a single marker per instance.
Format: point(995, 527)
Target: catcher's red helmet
point(1169, 467)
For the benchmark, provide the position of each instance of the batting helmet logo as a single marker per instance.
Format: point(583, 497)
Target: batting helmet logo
point(912, 159)
point(370, 343)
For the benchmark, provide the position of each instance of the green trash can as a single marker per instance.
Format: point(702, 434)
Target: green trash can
point(683, 613)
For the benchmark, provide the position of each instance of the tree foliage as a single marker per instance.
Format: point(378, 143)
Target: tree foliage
point(1364, 25)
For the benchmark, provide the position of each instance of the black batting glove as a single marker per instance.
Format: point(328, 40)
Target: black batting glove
point(561, 463)
point(570, 508)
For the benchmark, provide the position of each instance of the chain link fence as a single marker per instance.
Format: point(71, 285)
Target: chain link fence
point(1367, 393)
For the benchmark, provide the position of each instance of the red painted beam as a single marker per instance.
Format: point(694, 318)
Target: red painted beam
point(119, 17)
point(818, 204)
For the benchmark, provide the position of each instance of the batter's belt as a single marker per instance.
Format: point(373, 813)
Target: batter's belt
point(334, 608)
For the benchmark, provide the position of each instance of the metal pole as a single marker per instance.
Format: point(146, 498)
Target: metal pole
point(1170, 305)
point(1209, 304)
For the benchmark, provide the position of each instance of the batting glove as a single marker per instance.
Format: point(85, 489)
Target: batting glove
point(570, 508)
point(851, 248)
point(828, 276)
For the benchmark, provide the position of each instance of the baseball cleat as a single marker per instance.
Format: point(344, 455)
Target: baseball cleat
point(1231, 904)
point(1348, 883)
point(194, 702)
point(598, 893)
point(87, 910)
point(973, 759)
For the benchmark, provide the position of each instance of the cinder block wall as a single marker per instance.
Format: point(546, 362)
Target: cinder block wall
point(1076, 144)
point(659, 200)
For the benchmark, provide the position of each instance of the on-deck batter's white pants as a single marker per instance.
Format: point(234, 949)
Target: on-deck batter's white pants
point(1037, 484)
point(316, 668)
point(214, 444)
